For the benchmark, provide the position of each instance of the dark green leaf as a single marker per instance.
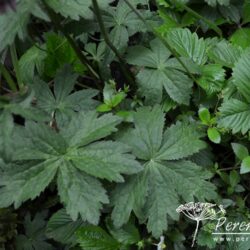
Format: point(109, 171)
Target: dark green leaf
point(95, 238)
point(62, 229)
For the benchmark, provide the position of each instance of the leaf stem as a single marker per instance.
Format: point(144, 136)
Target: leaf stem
point(16, 66)
point(8, 77)
point(124, 69)
point(162, 39)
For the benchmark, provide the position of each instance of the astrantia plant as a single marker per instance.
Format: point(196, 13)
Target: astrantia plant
point(115, 113)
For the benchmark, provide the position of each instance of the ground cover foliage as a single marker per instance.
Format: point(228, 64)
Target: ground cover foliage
point(114, 113)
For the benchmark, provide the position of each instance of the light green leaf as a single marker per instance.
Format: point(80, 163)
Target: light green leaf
point(159, 73)
point(240, 151)
point(241, 37)
point(204, 115)
point(103, 108)
point(245, 165)
point(235, 115)
point(95, 238)
point(214, 135)
point(188, 44)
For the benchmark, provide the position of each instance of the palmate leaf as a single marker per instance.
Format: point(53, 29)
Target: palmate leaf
point(155, 193)
point(124, 23)
point(158, 72)
point(42, 154)
point(62, 104)
point(34, 237)
point(14, 23)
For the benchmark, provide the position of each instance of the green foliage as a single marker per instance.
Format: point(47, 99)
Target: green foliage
point(93, 237)
point(188, 44)
point(166, 176)
point(241, 75)
point(61, 103)
point(159, 73)
point(225, 53)
point(235, 115)
point(204, 116)
point(111, 97)
point(111, 117)
point(60, 52)
point(213, 3)
point(64, 155)
point(34, 237)
point(214, 135)
point(241, 38)
point(30, 63)
point(14, 23)
point(62, 228)
point(75, 9)
point(212, 79)
point(240, 151)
